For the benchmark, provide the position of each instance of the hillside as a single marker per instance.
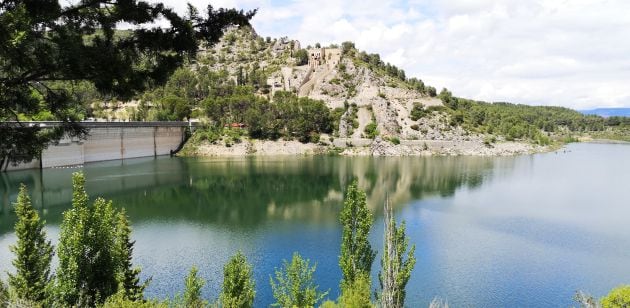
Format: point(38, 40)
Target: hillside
point(274, 96)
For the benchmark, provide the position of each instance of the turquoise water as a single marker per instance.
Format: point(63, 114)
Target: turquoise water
point(490, 232)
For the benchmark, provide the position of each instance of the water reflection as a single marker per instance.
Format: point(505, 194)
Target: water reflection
point(245, 191)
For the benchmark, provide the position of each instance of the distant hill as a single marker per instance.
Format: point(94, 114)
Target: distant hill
point(608, 112)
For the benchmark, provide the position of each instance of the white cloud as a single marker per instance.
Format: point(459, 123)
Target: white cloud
point(554, 52)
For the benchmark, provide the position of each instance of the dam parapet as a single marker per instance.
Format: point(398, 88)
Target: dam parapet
point(109, 141)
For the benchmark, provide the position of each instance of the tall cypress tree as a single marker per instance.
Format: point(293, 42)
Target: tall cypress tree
point(357, 255)
point(87, 258)
point(32, 251)
point(128, 276)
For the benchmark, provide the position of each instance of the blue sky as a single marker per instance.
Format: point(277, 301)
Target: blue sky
point(574, 53)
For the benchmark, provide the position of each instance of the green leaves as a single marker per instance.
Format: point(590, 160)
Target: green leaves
point(94, 252)
point(356, 220)
point(42, 43)
point(239, 288)
point(33, 253)
point(395, 269)
point(192, 292)
point(293, 285)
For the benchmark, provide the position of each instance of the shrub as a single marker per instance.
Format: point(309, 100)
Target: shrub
point(415, 127)
point(618, 297)
point(394, 140)
point(371, 130)
point(417, 112)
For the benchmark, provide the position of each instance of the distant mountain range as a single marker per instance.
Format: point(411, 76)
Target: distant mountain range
point(608, 112)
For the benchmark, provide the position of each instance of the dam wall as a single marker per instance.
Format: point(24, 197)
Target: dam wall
point(111, 141)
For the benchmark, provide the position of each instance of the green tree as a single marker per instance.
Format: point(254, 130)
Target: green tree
point(4, 295)
point(33, 252)
point(87, 258)
point(192, 292)
point(301, 57)
point(293, 285)
point(395, 269)
point(128, 276)
point(357, 255)
point(617, 298)
point(356, 294)
point(44, 42)
point(239, 288)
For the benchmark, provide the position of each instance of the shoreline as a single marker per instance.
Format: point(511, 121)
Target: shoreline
point(362, 147)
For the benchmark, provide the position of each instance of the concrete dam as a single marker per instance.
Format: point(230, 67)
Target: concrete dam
point(109, 141)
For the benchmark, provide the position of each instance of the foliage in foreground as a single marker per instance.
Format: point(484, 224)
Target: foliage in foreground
point(356, 220)
point(395, 269)
point(293, 285)
point(239, 288)
point(33, 253)
point(47, 47)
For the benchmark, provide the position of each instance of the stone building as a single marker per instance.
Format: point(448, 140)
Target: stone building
point(320, 56)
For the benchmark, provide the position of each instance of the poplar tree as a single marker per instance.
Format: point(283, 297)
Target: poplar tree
point(192, 293)
point(128, 276)
point(357, 255)
point(87, 258)
point(4, 295)
point(239, 288)
point(33, 252)
point(293, 285)
point(395, 269)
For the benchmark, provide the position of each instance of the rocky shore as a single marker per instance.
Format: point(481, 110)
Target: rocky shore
point(364, 147)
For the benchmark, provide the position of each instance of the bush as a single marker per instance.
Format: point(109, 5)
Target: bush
point(617, 298)
point(417, 112)
point(371, 130)
point(394, 140)
point(415, 127)
point(293, 285)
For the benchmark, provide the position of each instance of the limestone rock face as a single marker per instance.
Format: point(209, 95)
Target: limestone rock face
point(366, 94)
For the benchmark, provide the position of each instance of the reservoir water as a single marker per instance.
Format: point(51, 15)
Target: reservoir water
point(524, 231)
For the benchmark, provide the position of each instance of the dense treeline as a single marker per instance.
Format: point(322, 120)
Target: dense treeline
point(286, 116)
point(517, 121)
point(95, 269)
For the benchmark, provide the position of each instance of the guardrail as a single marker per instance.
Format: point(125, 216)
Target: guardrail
point(97, 124)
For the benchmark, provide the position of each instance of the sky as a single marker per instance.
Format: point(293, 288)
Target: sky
point(572, 53)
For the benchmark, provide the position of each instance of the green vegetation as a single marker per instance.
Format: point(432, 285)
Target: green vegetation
point(395, 268)
point(287, 116)
point(293, 284)
point(239, 288)
point(192, 292)
point(357, 255)
point(536, 123)
point(301, 57)
point(33, 253)
point(417, 112)
point(371, 130)
point(50, 46)
point(617, 298)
